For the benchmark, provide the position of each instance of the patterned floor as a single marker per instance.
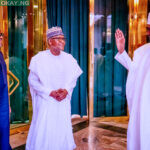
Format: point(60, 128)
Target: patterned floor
point(93, 136)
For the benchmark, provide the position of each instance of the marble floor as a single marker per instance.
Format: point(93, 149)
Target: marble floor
point(96, 135)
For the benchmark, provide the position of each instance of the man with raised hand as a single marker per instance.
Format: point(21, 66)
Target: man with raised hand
point(137, 92)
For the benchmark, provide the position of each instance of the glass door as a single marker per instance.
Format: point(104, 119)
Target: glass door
point(109, 75)
point(17, 35)
point(24, 31)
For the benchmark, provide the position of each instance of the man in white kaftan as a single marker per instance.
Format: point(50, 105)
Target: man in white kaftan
point(51, 72)
point(137, 92)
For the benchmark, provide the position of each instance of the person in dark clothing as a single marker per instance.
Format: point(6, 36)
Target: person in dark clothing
point(4, 103)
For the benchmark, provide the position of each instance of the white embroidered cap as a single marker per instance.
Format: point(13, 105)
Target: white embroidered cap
point(54, 31)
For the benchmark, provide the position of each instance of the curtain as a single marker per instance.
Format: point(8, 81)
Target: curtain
point(17, 35)
point(109, 75)
point(72, 16)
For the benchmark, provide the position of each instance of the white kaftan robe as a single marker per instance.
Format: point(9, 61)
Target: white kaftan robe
point(51, 127)
point(138, 97)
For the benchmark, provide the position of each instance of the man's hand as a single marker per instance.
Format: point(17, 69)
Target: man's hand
point(53, 94)
point(120, 41)
point(59, 95)
point(9, 109)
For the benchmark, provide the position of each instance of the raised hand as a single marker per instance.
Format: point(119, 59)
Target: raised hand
point(120, 41)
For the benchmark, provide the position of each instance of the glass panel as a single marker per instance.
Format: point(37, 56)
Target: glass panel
point(17, 19)
point(24, 31)
point(109, 75)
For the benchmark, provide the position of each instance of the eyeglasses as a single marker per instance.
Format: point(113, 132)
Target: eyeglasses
point(60, 39)
point(1, 34)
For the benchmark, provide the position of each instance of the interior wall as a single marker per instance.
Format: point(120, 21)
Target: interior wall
point(137, 24)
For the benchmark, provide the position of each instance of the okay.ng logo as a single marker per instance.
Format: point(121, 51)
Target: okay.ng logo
point(14, 2)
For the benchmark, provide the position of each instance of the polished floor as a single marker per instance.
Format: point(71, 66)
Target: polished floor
point(96, 135)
